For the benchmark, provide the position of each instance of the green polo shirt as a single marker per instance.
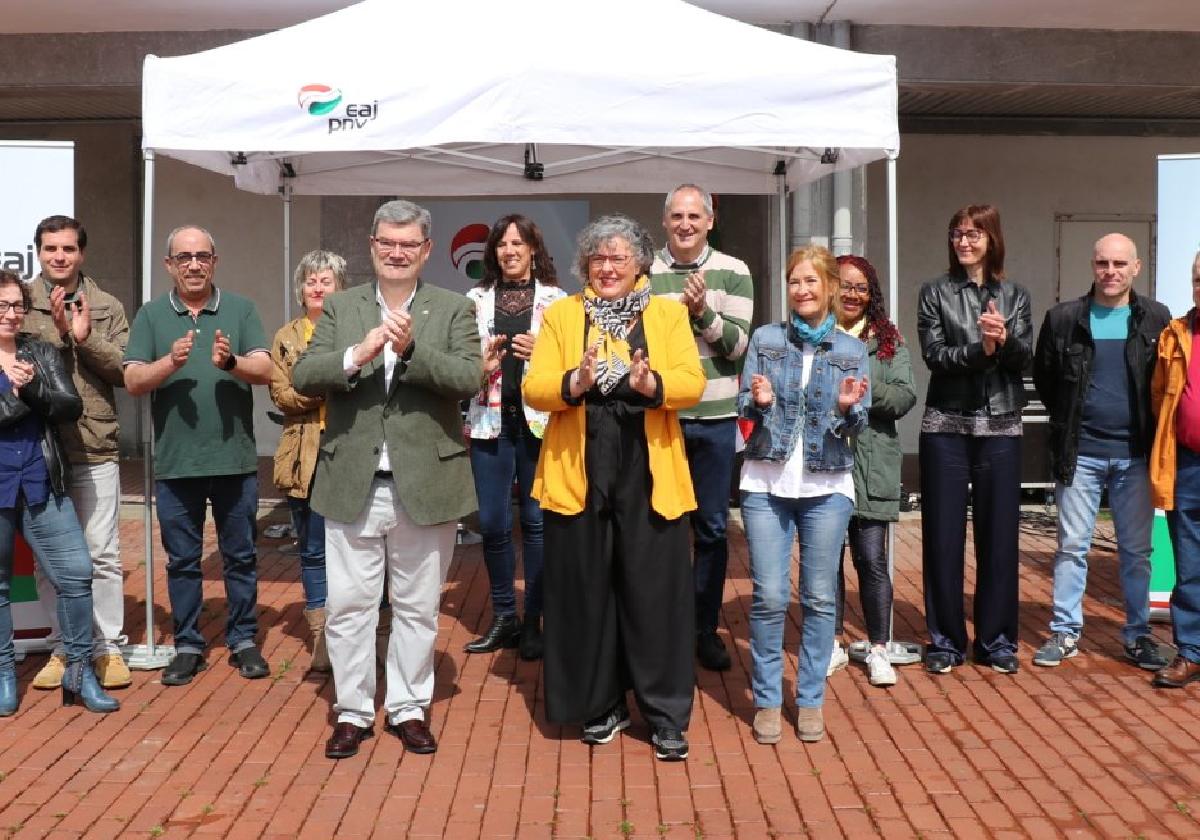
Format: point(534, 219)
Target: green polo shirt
point(203, 416)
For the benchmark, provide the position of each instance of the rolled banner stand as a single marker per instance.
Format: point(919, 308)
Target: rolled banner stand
point(31, 628)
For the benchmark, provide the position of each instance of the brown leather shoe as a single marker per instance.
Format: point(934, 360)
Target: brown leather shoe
point(415, 736)
point(1178, 674)
point(345, 740)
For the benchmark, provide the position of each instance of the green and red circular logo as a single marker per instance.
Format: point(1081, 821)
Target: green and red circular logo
point(466, 250)
point(319, 100)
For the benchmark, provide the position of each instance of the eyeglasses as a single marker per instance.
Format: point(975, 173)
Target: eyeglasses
point(184, 258)
point(971, 236)
point(17, 307)
point(857, 289)
point(386, 246)
point(618, 261)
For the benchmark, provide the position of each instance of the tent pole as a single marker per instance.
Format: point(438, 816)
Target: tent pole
point(148, 657)
point(900, 653)
point(286, 191)
point(782, 244)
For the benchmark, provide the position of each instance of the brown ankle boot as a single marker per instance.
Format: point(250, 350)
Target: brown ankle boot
point(320, 654)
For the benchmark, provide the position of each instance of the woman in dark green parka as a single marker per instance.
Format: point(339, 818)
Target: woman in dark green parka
point(859, 306)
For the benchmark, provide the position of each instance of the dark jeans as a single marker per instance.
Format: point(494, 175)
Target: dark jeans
point(992, 468)
point(310, 537)
point(709, 445)
point(52, 531)
point(181, 509)
point(495, 463)
point(1183, 523)
point(867, 539)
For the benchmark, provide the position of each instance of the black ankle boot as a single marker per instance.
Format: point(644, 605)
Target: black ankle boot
point(530, 648)
point(504, 633)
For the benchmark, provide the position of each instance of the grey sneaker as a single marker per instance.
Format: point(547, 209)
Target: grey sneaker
point(603, 729)
point(1144, 653)
point(1058, 647)
point(669, 744)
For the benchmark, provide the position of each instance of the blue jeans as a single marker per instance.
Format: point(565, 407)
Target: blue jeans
point(1183, 523)
point(1128, 483)
point(310, 537)
point(52, 531)
point(495, 463)
point(709, 445)
point(181, 508)
point(771, 524)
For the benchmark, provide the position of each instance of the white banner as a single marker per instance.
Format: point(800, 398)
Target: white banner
point(1178, 229)
point(39, 181)
point(460, 229)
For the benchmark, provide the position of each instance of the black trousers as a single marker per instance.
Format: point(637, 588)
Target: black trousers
point(867, 539)
point(992, 467)
point(618, 601)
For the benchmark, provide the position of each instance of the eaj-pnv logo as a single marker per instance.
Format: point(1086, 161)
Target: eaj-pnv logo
point(322, 100)
point(466, 251)
point(319, 100)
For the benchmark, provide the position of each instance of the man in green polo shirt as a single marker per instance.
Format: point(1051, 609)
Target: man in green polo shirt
point(197, 350)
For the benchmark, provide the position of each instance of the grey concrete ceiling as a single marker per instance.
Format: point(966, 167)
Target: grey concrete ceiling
point(164, 15)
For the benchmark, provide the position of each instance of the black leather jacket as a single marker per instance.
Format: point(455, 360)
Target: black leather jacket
point(1062, 372)
point(963, 377)
point(52, 395)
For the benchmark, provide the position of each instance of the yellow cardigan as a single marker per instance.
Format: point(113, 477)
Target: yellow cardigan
point(561, 481)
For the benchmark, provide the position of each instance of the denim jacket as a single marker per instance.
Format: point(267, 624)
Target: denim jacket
point(812, 415)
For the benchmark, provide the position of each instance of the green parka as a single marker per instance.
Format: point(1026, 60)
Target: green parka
point(877, 448)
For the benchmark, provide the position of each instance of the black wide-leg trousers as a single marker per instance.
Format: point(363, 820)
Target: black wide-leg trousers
point(618, 600)
point(992, 468)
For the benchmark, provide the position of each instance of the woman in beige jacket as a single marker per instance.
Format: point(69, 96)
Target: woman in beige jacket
point(319, 274)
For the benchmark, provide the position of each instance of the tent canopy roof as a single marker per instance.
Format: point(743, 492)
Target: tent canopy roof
point(457, 97)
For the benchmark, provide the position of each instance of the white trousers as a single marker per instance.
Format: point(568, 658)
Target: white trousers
point(96, 493)
point(416, 558)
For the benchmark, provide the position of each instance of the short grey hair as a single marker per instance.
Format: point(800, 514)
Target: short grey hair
point(314, 262)
point(604, 230)
point(212, 243)
point(401, 212)
point(705, 198)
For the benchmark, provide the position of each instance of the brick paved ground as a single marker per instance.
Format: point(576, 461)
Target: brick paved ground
point(1084, 750)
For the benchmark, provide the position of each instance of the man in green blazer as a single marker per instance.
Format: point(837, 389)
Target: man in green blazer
point(393, 359)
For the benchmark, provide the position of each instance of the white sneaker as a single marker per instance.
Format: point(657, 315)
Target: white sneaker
point(839, 660)
point(879, 669)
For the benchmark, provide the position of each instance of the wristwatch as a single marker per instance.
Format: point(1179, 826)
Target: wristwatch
point(230, 363)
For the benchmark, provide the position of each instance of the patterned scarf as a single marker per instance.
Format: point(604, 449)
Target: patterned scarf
point(614, 319)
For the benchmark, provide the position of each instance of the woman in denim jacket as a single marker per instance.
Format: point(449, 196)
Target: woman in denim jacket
point(806, 389)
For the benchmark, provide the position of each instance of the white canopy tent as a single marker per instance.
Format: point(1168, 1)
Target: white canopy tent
point(528, 97)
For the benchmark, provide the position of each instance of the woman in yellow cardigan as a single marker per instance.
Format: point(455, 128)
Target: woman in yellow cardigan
point(613, 364)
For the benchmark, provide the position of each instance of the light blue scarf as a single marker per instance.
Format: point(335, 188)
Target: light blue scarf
point(812, 335)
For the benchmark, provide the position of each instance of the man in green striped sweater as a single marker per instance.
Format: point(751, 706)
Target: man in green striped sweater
point(719, 294)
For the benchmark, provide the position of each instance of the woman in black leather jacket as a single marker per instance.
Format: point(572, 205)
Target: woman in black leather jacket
point(976, 335)
point(35, 394)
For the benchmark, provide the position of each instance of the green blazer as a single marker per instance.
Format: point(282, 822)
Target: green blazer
point(419, 418)
point(877, 448)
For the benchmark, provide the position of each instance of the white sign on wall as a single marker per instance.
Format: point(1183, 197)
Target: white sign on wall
point(39, 181)
point(1178, 229)
point(460, 229)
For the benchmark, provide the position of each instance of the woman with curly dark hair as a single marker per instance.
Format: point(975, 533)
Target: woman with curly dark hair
point(859, 308)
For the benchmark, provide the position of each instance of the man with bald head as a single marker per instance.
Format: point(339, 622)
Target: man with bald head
point(1094, 361)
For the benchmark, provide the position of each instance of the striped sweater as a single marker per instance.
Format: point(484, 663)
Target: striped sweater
point(722, 332)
